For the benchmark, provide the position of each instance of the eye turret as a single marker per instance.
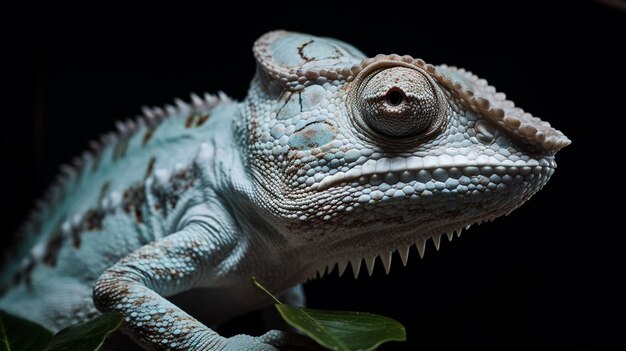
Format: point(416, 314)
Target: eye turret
point(400, 102)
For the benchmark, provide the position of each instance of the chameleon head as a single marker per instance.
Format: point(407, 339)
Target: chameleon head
point(369, 155)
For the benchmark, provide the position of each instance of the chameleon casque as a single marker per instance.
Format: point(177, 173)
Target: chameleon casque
point(332, 158)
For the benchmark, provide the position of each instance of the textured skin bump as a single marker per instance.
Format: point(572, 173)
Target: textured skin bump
point(332, 159)
point(299, 60)
point(400, 102)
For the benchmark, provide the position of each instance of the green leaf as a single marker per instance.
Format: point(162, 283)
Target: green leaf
point(87, 336)
point(340, 330)
point(343, 330)
point(17, 334)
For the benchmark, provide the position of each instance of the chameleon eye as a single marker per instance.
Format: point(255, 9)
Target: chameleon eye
point(400, 102)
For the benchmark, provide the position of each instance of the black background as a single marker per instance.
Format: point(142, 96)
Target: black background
point(538, 279)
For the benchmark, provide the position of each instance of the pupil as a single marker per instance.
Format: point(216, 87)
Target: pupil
point(394, 97)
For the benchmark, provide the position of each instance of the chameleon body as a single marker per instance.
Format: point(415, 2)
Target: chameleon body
point(333, 158)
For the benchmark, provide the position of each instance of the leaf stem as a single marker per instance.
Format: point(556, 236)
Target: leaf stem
point(3, 334)
point(260, 287)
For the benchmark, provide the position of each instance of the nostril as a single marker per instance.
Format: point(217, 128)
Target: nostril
point(394, 97)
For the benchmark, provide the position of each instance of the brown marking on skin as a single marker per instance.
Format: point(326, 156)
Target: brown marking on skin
point(315, 98)
point(24, 275)
point(253, 127)
point(179, 182)
point(27, 274)
point(92, 220)
point(309, 133)
point(145, 256)
point(253, 131)
point(103, 191)
point(301, 51)
point(114, 284)
point(147, 136)
point(202, 119)
point(53, 248)
point(120, 149)
point(93, 313)
point(140, 300)
point(284, 104)
point(189, 120)
point(150, 167)
point(133, 201)
point(337, 55)
point(17, 278)
point(76, 240)
point(166, 272)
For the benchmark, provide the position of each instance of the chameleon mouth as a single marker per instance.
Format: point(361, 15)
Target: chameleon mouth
point(386, 256)
point(403, 248)
point(441, 168)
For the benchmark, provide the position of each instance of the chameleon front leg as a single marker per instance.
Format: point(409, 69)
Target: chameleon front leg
point(135, 286)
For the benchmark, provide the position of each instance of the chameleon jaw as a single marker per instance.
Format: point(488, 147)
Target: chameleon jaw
point(407, 169)
point(385, 256)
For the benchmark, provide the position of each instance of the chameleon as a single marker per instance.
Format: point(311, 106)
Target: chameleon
point(332, 159)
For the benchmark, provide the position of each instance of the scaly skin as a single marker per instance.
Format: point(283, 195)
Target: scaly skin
point(332, 158)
